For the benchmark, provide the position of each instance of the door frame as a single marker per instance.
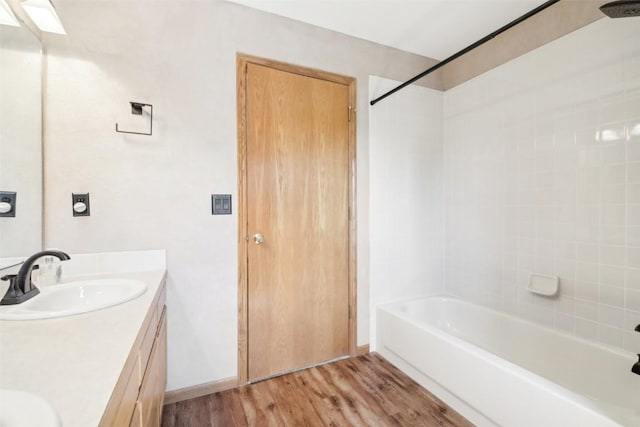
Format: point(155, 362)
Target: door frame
point(242, 61)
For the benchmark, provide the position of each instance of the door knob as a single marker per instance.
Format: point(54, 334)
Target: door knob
point(258, 239)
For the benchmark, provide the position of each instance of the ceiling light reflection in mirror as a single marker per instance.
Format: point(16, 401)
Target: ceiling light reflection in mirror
point(44, 15)
point(6, 15)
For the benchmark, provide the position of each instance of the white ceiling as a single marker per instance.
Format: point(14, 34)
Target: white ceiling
point(432, 28)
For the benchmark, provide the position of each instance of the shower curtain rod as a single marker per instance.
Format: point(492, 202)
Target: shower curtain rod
point(467, 49)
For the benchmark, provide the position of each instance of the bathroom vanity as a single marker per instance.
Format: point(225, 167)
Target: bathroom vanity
point(138, 397)
point(102, 368)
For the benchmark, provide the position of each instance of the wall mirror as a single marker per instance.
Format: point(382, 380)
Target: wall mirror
point(21, 140)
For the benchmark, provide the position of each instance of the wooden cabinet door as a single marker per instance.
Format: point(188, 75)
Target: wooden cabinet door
point(151, 397)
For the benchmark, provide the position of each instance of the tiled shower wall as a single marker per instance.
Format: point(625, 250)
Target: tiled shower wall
point(542, 174)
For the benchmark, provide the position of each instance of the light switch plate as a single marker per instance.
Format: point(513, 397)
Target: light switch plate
point(221, 204)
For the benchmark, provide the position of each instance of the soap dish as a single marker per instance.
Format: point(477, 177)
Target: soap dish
point(542, 284)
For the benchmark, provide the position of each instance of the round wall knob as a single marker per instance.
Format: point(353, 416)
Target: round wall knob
point(258, 239)
point(79, 207)
point(5, 207)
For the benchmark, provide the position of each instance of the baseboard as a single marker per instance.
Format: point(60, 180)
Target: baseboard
point(363, 349)
point(192, 392)
point(216, 386)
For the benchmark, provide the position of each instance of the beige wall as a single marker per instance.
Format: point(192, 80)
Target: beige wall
point(550, 24)
point(154, 192)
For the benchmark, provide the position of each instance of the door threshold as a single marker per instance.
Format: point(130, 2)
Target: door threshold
point(279, 374)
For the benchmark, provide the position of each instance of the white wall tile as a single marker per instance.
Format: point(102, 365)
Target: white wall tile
point(611, 316)
point(631, 341)
point(612, 255)
point(613, 235)
point(613, 194)
point(564, 322)
point(586, 329)
point(633, 155)
point(633, 257)
point(612, 275)
point(631, 320)
point(633, 172)
point(573, 171)
point(632, 299)
point(611, 295)
point(613, 215)
point(588, 253)
point(632, 280)
point(632, 236)
point(614, 154)
point(565, 305)
point(587, 310)
point(544, 316)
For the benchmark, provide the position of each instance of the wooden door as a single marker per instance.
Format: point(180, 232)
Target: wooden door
point(297, 201)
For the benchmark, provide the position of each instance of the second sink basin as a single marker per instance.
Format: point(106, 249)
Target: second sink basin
point(19, 409)
point(74, 298)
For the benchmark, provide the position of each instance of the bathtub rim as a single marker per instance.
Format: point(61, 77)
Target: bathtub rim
point(448, 297)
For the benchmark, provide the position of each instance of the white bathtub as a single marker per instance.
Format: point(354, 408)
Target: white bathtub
point(497, 369)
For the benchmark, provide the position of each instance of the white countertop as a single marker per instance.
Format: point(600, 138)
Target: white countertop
point(74, 362)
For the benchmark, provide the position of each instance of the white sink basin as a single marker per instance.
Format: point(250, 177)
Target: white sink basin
point(20, 408)
point(74, 298)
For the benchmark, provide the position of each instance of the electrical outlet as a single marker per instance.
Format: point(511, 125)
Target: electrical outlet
point(7, 204)
point(80, 204)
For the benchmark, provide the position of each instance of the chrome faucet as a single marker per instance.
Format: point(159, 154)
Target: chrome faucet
point(21, 288)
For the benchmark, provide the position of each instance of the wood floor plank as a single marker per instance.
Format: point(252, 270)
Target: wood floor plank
point(400, 397)
point(368, 410)
point(216, 408)
point(291, 400)
point(363, 391)
point(326, 403)
point(412, 390)
point(368, 387)
point(233, 406)
point(259, 406)
point(393, 393)
point(350, 406)
point(403, 389)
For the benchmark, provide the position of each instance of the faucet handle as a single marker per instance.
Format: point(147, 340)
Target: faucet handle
point(13, 293)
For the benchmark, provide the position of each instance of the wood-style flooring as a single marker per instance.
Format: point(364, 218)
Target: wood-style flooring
point(362, 391)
